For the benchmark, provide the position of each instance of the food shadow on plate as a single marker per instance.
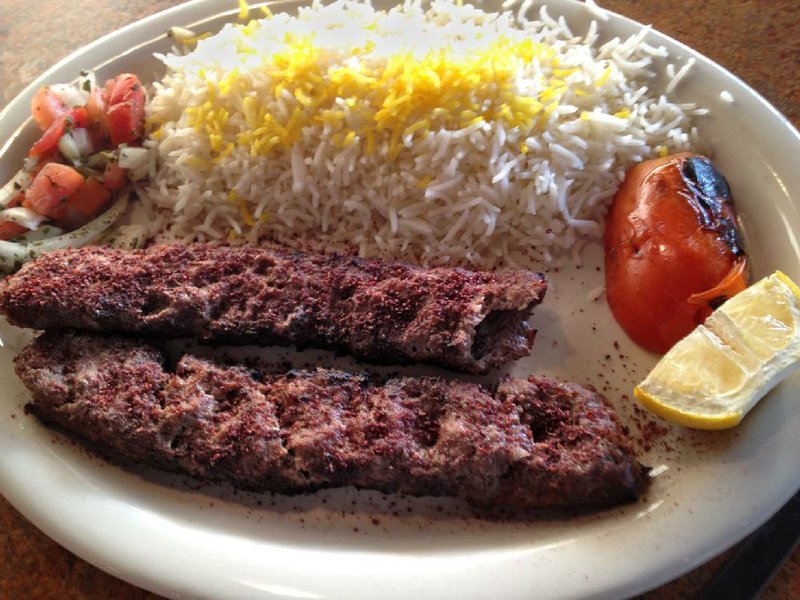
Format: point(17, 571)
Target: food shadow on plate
point(341, 517)
point(551, 347)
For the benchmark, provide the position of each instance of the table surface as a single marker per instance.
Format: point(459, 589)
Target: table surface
point(757, 40)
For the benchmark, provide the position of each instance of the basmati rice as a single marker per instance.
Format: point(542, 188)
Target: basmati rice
point(440, 134)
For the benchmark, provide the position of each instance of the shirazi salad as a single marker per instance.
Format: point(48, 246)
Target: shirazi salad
point(72, 186)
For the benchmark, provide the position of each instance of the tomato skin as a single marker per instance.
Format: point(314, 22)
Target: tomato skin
point(46, 107)
point(96, 108)
point(125, 114)
point(88, 201)
point(49, 141)
point(9, 229)
point(659, 257)
point(50, 189)
point(114, 177)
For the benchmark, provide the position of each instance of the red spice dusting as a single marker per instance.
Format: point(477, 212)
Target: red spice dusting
point(650, 430)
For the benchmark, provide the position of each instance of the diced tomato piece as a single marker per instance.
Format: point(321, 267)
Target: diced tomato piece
point(87, 202)
point(50, 189)
point(125, 114)
point(122, 125)
point(46, 107)
point(96, 107)
point(90, 198)
point(75, 117)
point(114, 176)
point(78, 117)
point(9, 229)
point(49, 141)
point(119, 88)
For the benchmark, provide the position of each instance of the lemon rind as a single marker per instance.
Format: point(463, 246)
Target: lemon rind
point(789, 283)
point(687, 419)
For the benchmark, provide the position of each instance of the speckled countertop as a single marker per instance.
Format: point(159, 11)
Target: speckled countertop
point(757, 40)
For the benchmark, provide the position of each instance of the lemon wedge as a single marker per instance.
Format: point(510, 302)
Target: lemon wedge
point(715, 375)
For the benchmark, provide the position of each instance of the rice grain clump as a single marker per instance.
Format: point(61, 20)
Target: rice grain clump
point(440, 134)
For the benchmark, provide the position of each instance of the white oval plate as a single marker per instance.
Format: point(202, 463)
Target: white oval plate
point(709, 490)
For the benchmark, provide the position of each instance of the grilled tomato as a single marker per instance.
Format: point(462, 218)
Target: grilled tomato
point(673, 252)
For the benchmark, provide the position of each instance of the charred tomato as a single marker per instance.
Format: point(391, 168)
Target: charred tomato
point(673, 251)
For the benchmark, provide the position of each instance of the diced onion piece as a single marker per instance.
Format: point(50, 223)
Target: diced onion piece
point(13, 255)
point(27, 218)
point(45, 231)
point(133, 157)
point(29, 163)
point(18, 183)
point(83, 141)
point(68, 148)
point(126, 236)
point(70, 95)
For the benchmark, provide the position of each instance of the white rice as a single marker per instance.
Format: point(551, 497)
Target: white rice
point(484, 195)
